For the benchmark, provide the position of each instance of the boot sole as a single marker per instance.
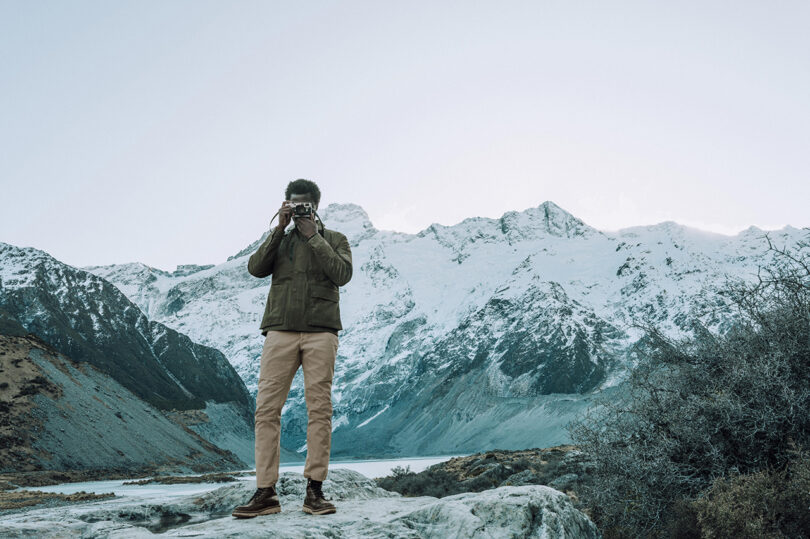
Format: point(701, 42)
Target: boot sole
point(311, 511)
point(268, 511)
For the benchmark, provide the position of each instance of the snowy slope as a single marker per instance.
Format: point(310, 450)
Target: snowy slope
point(477, 324)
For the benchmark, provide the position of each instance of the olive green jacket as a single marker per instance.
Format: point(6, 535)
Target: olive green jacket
point(306, 275)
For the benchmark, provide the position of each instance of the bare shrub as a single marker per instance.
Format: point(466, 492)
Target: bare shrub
point(433, 481)
point(773, 504)
point(704, 407)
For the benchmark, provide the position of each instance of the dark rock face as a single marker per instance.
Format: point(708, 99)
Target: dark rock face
point(58, 414)
point(88, 319)
point(554, 343)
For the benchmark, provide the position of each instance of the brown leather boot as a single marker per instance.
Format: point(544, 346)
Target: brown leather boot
point(315, 503)
point(263, 502)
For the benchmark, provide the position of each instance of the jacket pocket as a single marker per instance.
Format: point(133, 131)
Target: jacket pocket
point(274, 310)
point(324, 309)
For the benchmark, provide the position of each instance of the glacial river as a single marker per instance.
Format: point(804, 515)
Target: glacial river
point(369, 468)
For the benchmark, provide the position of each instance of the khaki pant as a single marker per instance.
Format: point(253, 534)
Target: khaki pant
point(282, 353)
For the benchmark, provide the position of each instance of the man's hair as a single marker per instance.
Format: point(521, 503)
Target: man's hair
point(301, 187)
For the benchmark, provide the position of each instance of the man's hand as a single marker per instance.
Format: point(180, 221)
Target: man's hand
point(284, 215)
point(306, 226)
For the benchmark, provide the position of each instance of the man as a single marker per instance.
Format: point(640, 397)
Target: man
point(300, 324)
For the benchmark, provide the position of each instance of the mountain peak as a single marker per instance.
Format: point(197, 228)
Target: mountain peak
point(668, 225)
point(547, 218)
point(17, 264)
point(344, 212)
point(348, 219)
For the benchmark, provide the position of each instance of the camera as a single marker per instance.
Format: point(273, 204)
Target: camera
point(302, 209)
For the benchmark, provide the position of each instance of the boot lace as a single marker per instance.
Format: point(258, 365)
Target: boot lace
point(316, 489)
point(259, 492)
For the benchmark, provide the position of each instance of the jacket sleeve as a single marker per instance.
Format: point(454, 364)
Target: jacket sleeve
point(336, 263)
point(261, 262)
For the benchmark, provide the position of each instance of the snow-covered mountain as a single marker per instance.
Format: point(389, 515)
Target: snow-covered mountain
point(88, 319)
point(487, 333)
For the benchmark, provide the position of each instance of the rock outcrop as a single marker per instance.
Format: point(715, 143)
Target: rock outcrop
point(363, 510)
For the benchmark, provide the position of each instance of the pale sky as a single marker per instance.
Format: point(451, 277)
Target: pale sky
point(165, 132)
